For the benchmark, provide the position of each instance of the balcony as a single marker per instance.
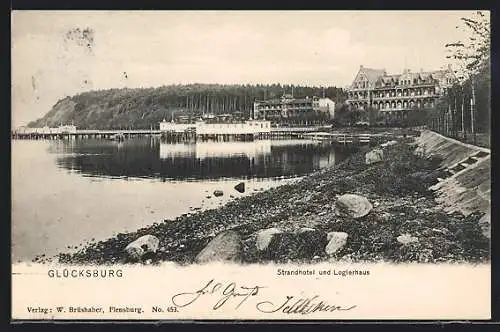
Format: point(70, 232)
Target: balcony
point(406, 108)
point(268, 109)
point(355, 98)
point(395, 109)
point(407, 97)
point(411, 86)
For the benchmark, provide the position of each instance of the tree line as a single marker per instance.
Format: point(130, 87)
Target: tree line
point(466, 110)
point(145, 107)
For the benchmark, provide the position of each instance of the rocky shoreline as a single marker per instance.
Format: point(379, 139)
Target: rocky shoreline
point(316, 219)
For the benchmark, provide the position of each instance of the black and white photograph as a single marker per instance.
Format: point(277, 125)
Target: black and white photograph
point(317, 145)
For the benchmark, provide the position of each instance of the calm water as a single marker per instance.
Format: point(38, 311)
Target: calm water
point(65, 193)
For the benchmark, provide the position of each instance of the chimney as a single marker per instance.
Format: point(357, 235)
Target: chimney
point(360, 66)
point(449, 67)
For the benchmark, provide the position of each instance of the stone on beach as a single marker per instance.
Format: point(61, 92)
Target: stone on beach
point(144, 245)
point(303, 244)
point(265, 236)
point(240, 187)
point(374, 156)
point(406, 239)
point(351, 205)
point(336, 241)
point(306, 230)
point(226, 246)
point(218, 193)
point(485, 224)
point(389, 143)
point(428, 177)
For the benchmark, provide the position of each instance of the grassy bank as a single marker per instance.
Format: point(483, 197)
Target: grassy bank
point(396, 186)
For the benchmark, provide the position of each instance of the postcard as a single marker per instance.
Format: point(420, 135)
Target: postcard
point(250, 165)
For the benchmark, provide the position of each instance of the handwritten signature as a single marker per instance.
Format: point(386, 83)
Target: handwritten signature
point(301, 305)
point(290, 304)
point(212, 287)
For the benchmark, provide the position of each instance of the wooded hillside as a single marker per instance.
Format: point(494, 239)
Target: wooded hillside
point(145, 107)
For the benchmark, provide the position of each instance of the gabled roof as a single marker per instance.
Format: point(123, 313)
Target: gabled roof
point(439, 74)
point(389, 78)
point(371, 74)
point(380, 77)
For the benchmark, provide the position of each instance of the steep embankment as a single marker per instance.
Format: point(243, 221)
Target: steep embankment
point(143, 108)
point(466, 185)
point(405, 223)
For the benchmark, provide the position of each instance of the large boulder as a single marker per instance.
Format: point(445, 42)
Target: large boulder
point(336, 241)
point(218, 193)
point(264, 237)
point(240, 187)
point(303, 244)
point(226, 246)
point(147, 244)
point(351, 205)
point(374, 156)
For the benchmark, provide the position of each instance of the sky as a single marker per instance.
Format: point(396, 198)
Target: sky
point(52, 58)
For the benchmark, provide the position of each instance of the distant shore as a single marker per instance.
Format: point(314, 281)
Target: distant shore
point(397, 187)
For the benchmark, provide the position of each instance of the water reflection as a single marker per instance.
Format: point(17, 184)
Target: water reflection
point(152, 158)
point(203, 150)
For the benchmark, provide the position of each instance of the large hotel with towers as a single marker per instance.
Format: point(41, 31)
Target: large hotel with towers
point(397, 95)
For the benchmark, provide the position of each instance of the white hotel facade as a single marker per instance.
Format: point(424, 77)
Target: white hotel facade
point(396, 95)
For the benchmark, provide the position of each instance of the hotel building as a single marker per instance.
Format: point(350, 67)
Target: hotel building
point(295, 111)
point(396, 95)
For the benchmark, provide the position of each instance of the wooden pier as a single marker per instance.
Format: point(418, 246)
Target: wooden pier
point(342, 138)
point(187, 135)
point(82, 134)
